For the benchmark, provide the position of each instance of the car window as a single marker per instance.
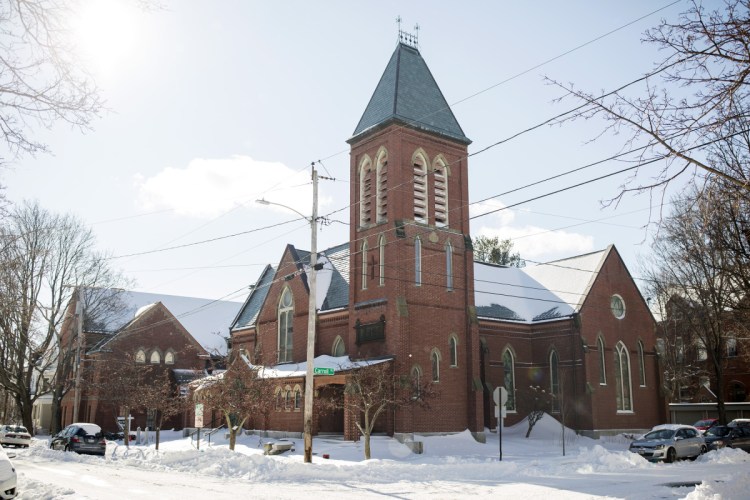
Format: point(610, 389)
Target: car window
point(718, 431)
point(680, 433)
point(691, 433)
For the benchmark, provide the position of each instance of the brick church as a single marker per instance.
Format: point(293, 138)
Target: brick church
point(406, 288)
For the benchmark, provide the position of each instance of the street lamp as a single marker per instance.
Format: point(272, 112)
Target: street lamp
point(311, 314)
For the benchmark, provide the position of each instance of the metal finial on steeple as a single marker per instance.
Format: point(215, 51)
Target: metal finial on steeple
point(407, 38)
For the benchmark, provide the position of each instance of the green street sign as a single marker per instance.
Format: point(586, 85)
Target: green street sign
point(323, 371)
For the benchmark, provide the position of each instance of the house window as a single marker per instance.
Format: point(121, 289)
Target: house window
point(339, 349)
point(140, 356)
point(435, 361)
point(554, 380)
point(278, 398)
point(155, 358)
point(602, 363)
point(622, 379)
point(453, 348)
point(449, 266)
point(420, 188)
point(288, 398)
point(381, 259)
point(641, 364)
point(364, 265)
point(509, 379)
point(418, 261)
point(737, 392)
point(169, 358)
point(381, 172)
point(731, 347)
point(286, 331)
point(441, 193)
point(365, 191)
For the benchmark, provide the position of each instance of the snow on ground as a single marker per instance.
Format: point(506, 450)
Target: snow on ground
point(453, 466)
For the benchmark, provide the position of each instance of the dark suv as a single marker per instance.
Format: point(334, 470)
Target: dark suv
point(723, 436)
point(81, 438)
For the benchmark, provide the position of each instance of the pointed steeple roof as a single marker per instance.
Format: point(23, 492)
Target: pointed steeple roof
point(408, 94)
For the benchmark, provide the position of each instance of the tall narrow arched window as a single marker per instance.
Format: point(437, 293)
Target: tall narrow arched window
point(365, 191)
point(420, 187)
point(339, 349)
point(381, 259)
point(140, 356)
point(155, 358)
point(441, 192)
point(418, 261)
point(169, 358)
point(622, 379)
point(381, 172)
point(449, 266)
point(364, 265)
point(641, 364)
point(554, 380)
point(435, 362)
point(602, 364)
point(286, 326)
point(416, 381)
point(509, 379)
point(453, 348)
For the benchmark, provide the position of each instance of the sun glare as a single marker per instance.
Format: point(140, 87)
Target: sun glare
point(105, 32)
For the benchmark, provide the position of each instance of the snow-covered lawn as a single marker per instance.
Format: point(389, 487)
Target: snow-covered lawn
point(451, 467)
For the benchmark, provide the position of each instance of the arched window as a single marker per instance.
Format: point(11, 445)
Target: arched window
point(278, 397)
point(441, 192)
point(169, 358)
point(602, 364)
point(416, 382)
point(554, 380)
point(365, 191)
point(381, 259)
point(420, 187)
point(622, 378)
point(286, 331)
point(381, 172)
point(155, 358)
point(418, 261)
point(509, 379)
point(339, 349)
point(288, 402)
point(140, 356)
point(449, 266)
point(435, 362)
point(297, 398)
point(641, 364)
point(364, 265)
point(453, 349)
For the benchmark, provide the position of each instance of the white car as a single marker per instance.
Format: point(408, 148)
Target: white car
point(7, 477)
point(669, 442)
point(14, 435)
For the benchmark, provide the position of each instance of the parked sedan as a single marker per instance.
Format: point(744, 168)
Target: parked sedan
point(670, 442)
point(705, 424)
point(7, 477)
point(14, 435)
point(81, 438)
point(723, 436)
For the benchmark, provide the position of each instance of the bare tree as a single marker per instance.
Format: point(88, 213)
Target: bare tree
point(372, 390)
point(539, 400)
point(162, 397)
point(494, 251)
point(687, 101)
point(688, 269)
point(43, 258)
point(237, 393)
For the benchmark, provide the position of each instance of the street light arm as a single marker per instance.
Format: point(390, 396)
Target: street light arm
point(263, 201)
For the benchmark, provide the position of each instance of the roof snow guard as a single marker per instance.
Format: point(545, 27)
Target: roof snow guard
point(408, 94)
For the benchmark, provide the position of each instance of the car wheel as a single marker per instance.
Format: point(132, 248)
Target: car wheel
point(704, 449)
point(671, 456)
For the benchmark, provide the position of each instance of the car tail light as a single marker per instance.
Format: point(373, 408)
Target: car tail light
point(75, 439)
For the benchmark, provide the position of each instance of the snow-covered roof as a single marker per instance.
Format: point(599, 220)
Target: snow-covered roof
point(537, 293)
point(205, 319)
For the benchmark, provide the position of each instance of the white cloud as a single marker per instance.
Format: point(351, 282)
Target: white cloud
point(209, 187)
point(500, 215)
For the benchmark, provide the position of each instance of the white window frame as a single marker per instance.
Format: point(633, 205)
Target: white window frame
point(623, 380)
point(449, 266)
point(418, 261)
point(285, 340)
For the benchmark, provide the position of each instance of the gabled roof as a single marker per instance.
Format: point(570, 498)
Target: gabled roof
point(544, 292)
point(332, 283)
point(408, 94)
point(206, 320)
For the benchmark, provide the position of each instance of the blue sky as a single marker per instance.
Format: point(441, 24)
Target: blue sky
point(215, 104)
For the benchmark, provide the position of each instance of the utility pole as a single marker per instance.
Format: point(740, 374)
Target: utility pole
point(311, 320)
point(79, 346)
